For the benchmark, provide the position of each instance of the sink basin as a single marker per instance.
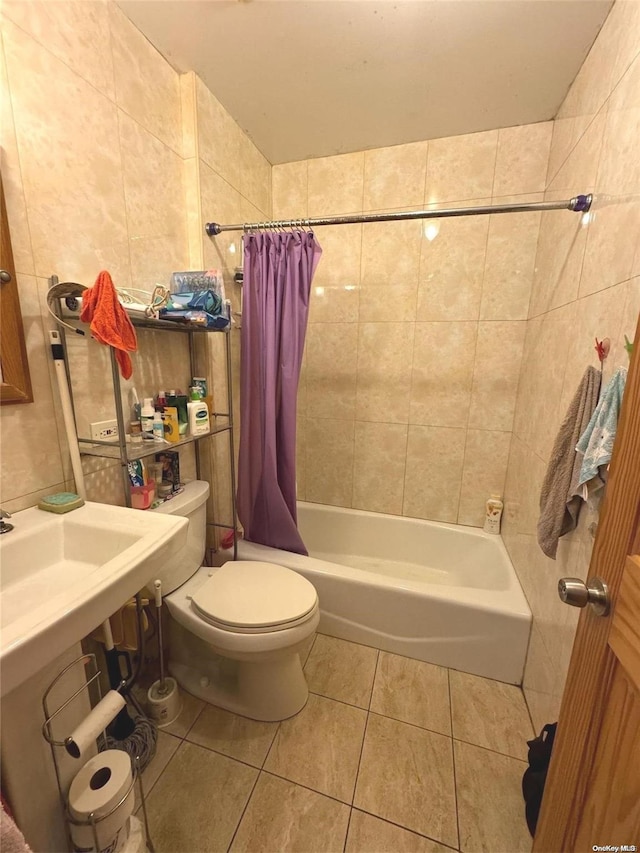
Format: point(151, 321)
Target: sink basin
point(62, 575)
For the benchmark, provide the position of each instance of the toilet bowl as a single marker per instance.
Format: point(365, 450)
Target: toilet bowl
point(235, 631)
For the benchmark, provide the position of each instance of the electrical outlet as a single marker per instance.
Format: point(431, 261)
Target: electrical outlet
point(104, 431)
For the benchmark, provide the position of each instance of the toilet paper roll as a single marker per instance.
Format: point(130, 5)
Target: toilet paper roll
point(97, 789)
point(95, 722)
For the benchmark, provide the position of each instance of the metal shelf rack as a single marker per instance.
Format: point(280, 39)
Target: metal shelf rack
point(122, 452)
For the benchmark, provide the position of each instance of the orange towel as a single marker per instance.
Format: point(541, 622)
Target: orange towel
point(110, 323)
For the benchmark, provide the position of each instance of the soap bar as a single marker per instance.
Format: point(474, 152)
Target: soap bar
point(62, 502)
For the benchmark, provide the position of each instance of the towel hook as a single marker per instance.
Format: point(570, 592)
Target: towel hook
point(602, 348)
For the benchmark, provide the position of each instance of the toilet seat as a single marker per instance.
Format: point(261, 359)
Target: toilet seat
point(250, 597)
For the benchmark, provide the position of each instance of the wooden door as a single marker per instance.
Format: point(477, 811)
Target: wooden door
point(592, 796)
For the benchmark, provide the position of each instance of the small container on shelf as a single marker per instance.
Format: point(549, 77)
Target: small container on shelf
point(142, 496)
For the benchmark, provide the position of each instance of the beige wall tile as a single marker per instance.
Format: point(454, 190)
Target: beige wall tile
point(484, 472)
point(495, 377)
point(443, 358)
point(390, 252)
point(378, 472)
point(75, 189)
point(399, 762)
point(393, 302)
point(76, 33)
point(521, 163)
point(219, 137)
point(331, 360)
point(34, 462)
point(329, 461)
point(336, 184)
point(340, 261)
point(461, 167)
point(12, 179)
point(289, 182)
point(255, 176)
point(152, 174)
point(451, 267)
point(489, 796)
point(395, 177)
point(147, 87)
point(189, 114)
point(509, 265)
point(384, 372)
point(309, 821)
point(538, 684)
point(433, 473)
point(579, 169)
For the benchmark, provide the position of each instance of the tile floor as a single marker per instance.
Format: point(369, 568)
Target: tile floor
point(390, 755)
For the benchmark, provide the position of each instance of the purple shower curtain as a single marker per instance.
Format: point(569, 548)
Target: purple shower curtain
point(278, 269)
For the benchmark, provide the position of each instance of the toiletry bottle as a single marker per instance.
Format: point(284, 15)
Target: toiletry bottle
point(158, 427)
point(198, 414)
point(161, 401)
point(146, 418)
point(171, 424)
point(493, 514)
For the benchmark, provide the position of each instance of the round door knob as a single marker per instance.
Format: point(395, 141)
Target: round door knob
point(577, 593)
point(5, 277)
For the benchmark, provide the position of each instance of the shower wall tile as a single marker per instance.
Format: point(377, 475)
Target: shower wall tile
point(582, 288)
point(433, 472)
point(451, 269)
point(77, 36)
point(255, 175)
point(379, 464)
point(336, 184)
point(497, 370)
point(331, 361)
point(395, 177)
point(523, 154)
point(484, 471)
point(510, 262)
point(329, 461)
point(390, 253)
point(416, 292)
point(147, 87)
point(461, 167)
point(218, 136)
point(289, 184)
point(383, 390)
point(441, 381)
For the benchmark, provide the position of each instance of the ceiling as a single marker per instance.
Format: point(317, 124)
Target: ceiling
point(309, 78)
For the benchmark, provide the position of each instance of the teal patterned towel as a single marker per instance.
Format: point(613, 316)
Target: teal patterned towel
point(596, 442)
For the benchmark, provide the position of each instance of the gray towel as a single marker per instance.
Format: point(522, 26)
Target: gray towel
point(559, 506)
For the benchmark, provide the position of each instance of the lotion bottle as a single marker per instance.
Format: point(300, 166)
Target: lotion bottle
point(198, 414)
point(493, 515)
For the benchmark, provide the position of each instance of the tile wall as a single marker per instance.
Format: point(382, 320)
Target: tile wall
point(106, 153)
point(586, 284)
point(416, 328)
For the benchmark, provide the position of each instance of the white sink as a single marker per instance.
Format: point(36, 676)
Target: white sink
point(62, 575)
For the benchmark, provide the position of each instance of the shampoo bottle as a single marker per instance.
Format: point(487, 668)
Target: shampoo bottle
point(493, 515)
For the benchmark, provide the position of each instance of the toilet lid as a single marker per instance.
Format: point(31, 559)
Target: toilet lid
point(248, 594)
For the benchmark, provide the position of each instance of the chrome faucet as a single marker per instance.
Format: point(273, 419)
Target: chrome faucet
point(4, 527)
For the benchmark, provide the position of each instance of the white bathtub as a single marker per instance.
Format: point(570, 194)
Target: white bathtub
point(440, 593)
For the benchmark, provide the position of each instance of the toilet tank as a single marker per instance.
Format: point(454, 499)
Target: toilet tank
point(192, 504)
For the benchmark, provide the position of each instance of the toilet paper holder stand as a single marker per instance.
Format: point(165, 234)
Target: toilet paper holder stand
point(91, 677)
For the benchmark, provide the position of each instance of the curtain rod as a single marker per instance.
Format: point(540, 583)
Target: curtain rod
point(578, 204)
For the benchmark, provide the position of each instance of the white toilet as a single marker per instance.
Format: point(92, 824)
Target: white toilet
point(235, 630)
